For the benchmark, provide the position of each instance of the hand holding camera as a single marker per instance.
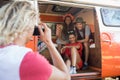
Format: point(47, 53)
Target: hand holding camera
point(45, 33)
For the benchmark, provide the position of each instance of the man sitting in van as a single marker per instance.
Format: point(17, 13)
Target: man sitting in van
point(83, 35)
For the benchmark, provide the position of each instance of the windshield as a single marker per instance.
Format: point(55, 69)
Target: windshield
point(111, 16)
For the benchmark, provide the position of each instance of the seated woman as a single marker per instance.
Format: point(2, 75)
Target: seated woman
point(73, 52)
point(63, 29)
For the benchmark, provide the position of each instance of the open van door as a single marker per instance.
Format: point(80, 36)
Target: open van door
point(104, 56)
point(109, 27)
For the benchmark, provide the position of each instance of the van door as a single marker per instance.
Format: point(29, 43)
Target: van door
point(109, 26)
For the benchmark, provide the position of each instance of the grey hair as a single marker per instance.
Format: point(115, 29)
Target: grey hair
point(15, 18)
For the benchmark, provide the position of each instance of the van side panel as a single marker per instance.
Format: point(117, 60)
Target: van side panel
point(110, 48)
point(110, 53)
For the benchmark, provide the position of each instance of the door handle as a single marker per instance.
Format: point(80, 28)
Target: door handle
point(106, 40)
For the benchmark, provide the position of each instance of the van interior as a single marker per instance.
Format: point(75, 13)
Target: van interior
point(52, 14)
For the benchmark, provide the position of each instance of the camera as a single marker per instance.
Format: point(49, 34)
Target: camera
point(36, 31)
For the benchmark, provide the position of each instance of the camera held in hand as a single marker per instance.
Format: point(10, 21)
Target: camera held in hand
point(36, 31)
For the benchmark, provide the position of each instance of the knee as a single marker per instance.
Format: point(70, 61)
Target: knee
point(73, 49)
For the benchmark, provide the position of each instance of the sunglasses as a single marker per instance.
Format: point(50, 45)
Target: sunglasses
point(69, 32)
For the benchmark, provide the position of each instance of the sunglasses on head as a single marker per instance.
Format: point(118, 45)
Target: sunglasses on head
point(69, 32)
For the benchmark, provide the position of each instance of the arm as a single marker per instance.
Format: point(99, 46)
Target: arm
point(59, 71)
point(63, 49)
point(76, 46)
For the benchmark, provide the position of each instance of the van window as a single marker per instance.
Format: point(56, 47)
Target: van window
point(111, 16)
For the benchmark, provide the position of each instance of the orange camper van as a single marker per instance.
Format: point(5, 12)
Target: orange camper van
point(103, 17)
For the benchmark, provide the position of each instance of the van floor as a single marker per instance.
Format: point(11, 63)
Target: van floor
point(88, 74)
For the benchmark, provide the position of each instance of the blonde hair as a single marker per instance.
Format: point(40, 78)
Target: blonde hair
point(15, 18)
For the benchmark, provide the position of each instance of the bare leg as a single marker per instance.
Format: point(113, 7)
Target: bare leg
point(86, 52)
point(75, 56)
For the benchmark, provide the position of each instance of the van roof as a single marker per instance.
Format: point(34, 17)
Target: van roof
point(105, 3)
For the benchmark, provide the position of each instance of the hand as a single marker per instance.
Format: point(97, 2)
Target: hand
point(63, 49)
point(46, 35)
point(60, 26)
point(77, 47)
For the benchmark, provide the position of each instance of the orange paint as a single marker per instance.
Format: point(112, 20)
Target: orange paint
point(51, 18)
point(32, 44)
point(110, 54)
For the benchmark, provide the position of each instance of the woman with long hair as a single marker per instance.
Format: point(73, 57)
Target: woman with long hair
point(17, 62)
point(63, 29)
